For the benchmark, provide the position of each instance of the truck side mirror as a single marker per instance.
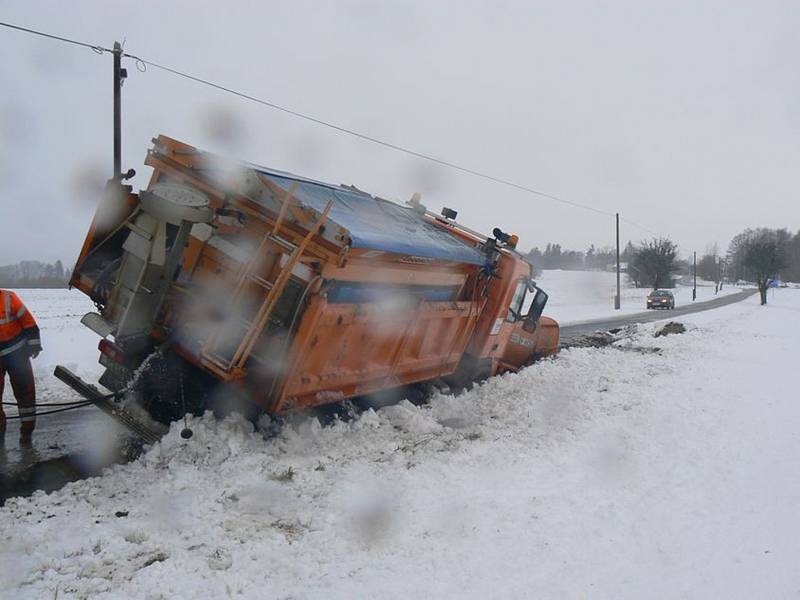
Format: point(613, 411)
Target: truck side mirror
point(536, 309)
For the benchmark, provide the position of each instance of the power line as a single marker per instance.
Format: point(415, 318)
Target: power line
point(318, 121)
point(95, 47)
point(366, 137)
point(642, 227)
point(140, 61)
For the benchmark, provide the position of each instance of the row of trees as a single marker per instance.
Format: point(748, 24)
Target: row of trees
point(34, 274)
point(759, 256)
point(594, 259)
point(786, 245)
point(762, 255)
point(755, 255)
point(650, 263)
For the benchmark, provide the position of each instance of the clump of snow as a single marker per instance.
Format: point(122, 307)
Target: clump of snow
point(599, 473)
point(670, 328)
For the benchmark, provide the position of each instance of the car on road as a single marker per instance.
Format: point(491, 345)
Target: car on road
point(660, 299)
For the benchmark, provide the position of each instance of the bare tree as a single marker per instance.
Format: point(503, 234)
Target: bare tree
point(765, 258)
point(654, 263)
point(708, 264)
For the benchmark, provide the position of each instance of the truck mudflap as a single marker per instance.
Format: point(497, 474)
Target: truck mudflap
point(148, 433)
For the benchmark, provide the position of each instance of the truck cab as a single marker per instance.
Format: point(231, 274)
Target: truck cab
point(511, 332)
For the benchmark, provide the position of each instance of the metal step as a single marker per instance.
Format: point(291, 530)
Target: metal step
point(267, 285)
point(286, 244)
point(220, 361)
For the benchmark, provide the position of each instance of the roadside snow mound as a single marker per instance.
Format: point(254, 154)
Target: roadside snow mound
point(510, 489)
point(272, 512)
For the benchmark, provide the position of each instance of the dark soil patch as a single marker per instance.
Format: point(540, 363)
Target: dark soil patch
point(670, 328)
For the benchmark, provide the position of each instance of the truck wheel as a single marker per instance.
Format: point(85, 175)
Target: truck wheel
point(159, 392)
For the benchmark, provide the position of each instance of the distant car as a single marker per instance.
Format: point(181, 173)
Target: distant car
point(660, 299)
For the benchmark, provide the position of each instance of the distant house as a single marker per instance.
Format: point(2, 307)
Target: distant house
point(623, 267)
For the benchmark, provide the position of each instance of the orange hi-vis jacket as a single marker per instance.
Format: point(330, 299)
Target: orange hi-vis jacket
point(18, 329)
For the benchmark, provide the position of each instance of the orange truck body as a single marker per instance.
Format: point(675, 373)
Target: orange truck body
point(298, 293)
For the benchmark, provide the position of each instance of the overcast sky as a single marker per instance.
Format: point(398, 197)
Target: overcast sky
point(681, 116)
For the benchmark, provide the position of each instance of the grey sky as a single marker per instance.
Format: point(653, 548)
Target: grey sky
point(682, 116)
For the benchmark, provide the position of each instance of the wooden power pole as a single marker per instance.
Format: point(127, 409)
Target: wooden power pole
point(617, 298)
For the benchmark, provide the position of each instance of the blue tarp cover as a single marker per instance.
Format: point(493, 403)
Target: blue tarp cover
point(377, 224)
point(357, 292)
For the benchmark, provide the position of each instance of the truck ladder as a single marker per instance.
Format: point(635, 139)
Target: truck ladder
point(248, 275)
point(243, 351)
point(273, 290)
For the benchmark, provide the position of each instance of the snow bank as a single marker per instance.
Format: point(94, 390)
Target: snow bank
point(613, 472)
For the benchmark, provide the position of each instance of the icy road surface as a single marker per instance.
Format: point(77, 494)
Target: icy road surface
point(607, 473)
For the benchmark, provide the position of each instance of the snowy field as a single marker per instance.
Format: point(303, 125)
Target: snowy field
point(605, 473)
point(577, 296)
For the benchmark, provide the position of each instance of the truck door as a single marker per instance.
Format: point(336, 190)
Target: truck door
point(516, 347)
point(526, 308)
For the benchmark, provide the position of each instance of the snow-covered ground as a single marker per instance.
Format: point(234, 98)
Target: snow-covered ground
point(577, 296)
point(605, 473)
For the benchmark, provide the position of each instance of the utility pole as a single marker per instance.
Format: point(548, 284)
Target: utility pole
point(616, 298)
point(694, 289)
point(119, 75)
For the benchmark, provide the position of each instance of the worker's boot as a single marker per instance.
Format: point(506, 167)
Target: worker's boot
point(2, 413)
point(26, 431)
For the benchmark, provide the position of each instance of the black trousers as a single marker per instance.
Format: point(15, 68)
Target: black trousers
point(18, 366)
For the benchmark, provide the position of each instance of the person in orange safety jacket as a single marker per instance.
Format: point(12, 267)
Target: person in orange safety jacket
point(19, 342)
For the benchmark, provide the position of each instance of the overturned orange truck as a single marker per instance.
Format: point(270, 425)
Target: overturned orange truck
point(228, 280)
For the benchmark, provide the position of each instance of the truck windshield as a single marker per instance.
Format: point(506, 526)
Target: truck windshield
point(515, 308)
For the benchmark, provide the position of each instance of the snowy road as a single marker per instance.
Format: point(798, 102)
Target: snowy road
point(608, 473)
point(573, 329)
point(577, 296)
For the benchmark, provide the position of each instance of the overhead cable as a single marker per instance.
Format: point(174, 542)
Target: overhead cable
point(97, 48)
point(364, 136)
point(143, 63)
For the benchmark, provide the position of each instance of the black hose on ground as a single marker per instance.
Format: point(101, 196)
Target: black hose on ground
point(50, 403)
point(65, 406)
point(51, 412)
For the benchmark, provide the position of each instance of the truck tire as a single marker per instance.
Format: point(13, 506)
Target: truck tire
point(159, 388)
